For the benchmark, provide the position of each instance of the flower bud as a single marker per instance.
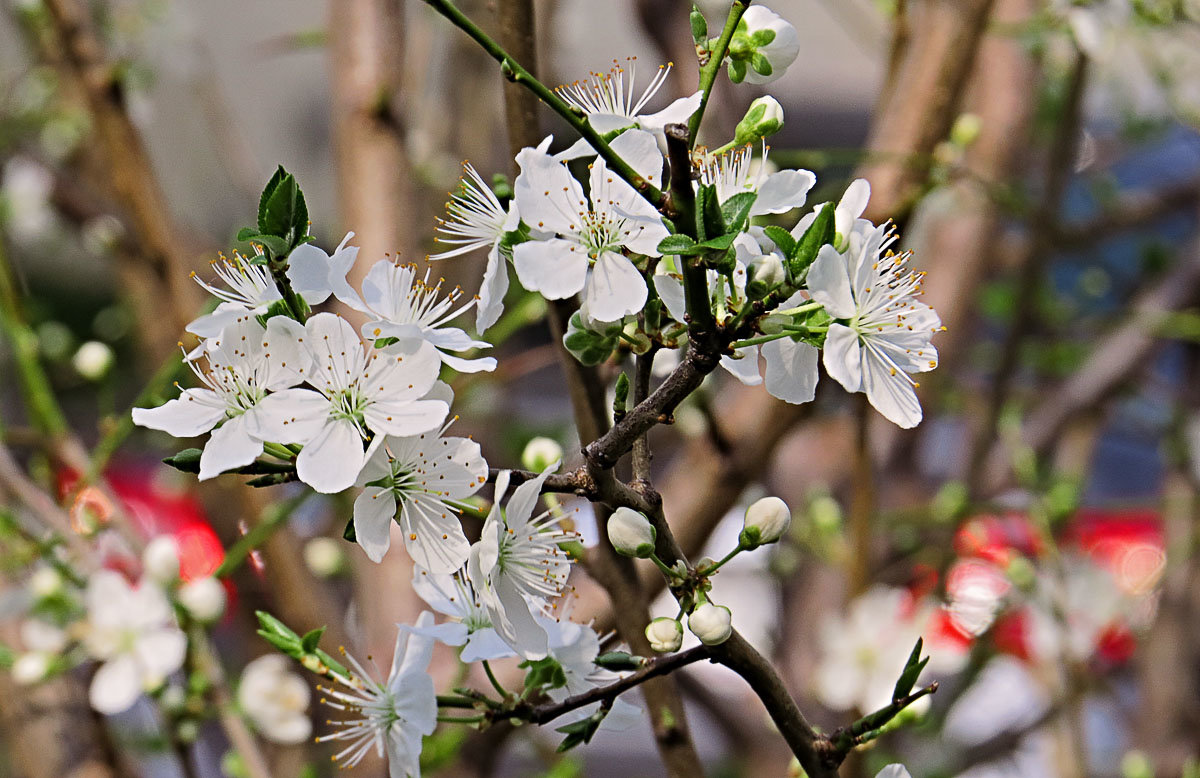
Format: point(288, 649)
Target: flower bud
point(203, 599)
point(160, 560)
point(763, 47)
point(966, 129)
point(630, 533)
point(31, 668)
point(665, 634)
point(766, 521)
point(324, 557)
point(764, 117)
point(713, 624)
point(45, 583)
point(92, 360)
point(766, 273)
point(540, 453)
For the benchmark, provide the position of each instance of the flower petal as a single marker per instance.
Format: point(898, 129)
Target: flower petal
point(843, 357)
point(193, 413)
point(115, 686)
point(557, 268)
point(230, 446)
point(783, 191)
point(491, 291)
point(374, 510)
point(829, 283)
point(615, 288)
point(791, 370)
point(330, 462)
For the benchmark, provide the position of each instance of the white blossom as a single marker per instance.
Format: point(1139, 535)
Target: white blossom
point(160, 560)
point(248, 392)
point(25, 191)
point(403, 305)
point(610, 103)
point(585, 243)
point(882, 333)
point(419, 482)
point(469, 626)
point(780, 52)
point(275, 699)
point(736, 172)
point(203, 599)
point(575, 647)
point(314, 275)
point(360, 391)
point(475, 219)
point(132, 631)
point(847, 216)
point(389, 717)
point(518, 557)
point(864, 650)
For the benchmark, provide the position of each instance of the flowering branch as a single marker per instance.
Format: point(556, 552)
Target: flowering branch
point(514, 72)
point(710, 68)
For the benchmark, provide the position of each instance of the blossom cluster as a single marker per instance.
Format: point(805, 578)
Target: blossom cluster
point(288, 391)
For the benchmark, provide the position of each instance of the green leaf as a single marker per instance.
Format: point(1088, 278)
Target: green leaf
point(269, 622)
point(544, 674)
point(348, 533)
point(719, 243)
point(187, 460)
point(736, 210)
point(709, 221)
point(276, 245)
point(285, 214)
point(311, 639)
point(283, 644)
point(267, 191)
point(677, 245)
point(246, 233)
point(699, 26)
point(819, 233)
point(582, 731)
point(782, 239)
point(912, 671)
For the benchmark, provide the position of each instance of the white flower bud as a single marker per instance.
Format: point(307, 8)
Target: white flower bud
point(630, 533)
point(768, 45)
point(45, 583)
point(764, 117)
point(324, 557)
point(766, 273)
point(203, 599)
point(665, 634)
point(540, 453)
point(766, 521)
point(713, 624)
point(31, 668)
point(92, 360)
point(160, 560)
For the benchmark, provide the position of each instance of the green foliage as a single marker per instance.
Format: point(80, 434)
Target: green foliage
point(818, 234)
point(589, 346)
point(582, 731)
point(543, 674)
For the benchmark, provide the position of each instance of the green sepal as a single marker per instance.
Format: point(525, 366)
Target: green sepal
point(501, 187)
point(737, 71)
point(736, 211)
point(187, 460)
point(761, 64)
point(762, 37)
point(272, 479)
point(385, 342)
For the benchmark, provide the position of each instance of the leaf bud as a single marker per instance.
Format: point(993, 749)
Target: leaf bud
point(540, 453)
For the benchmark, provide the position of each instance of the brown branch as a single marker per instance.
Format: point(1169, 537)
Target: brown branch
point(166, 252)
point(541, 714)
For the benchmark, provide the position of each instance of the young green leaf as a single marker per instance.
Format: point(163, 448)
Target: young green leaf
point(676, 245)
point(736, 210)
point(782, 239)
point(819, 233)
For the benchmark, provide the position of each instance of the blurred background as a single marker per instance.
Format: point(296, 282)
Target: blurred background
point(1039, 529)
